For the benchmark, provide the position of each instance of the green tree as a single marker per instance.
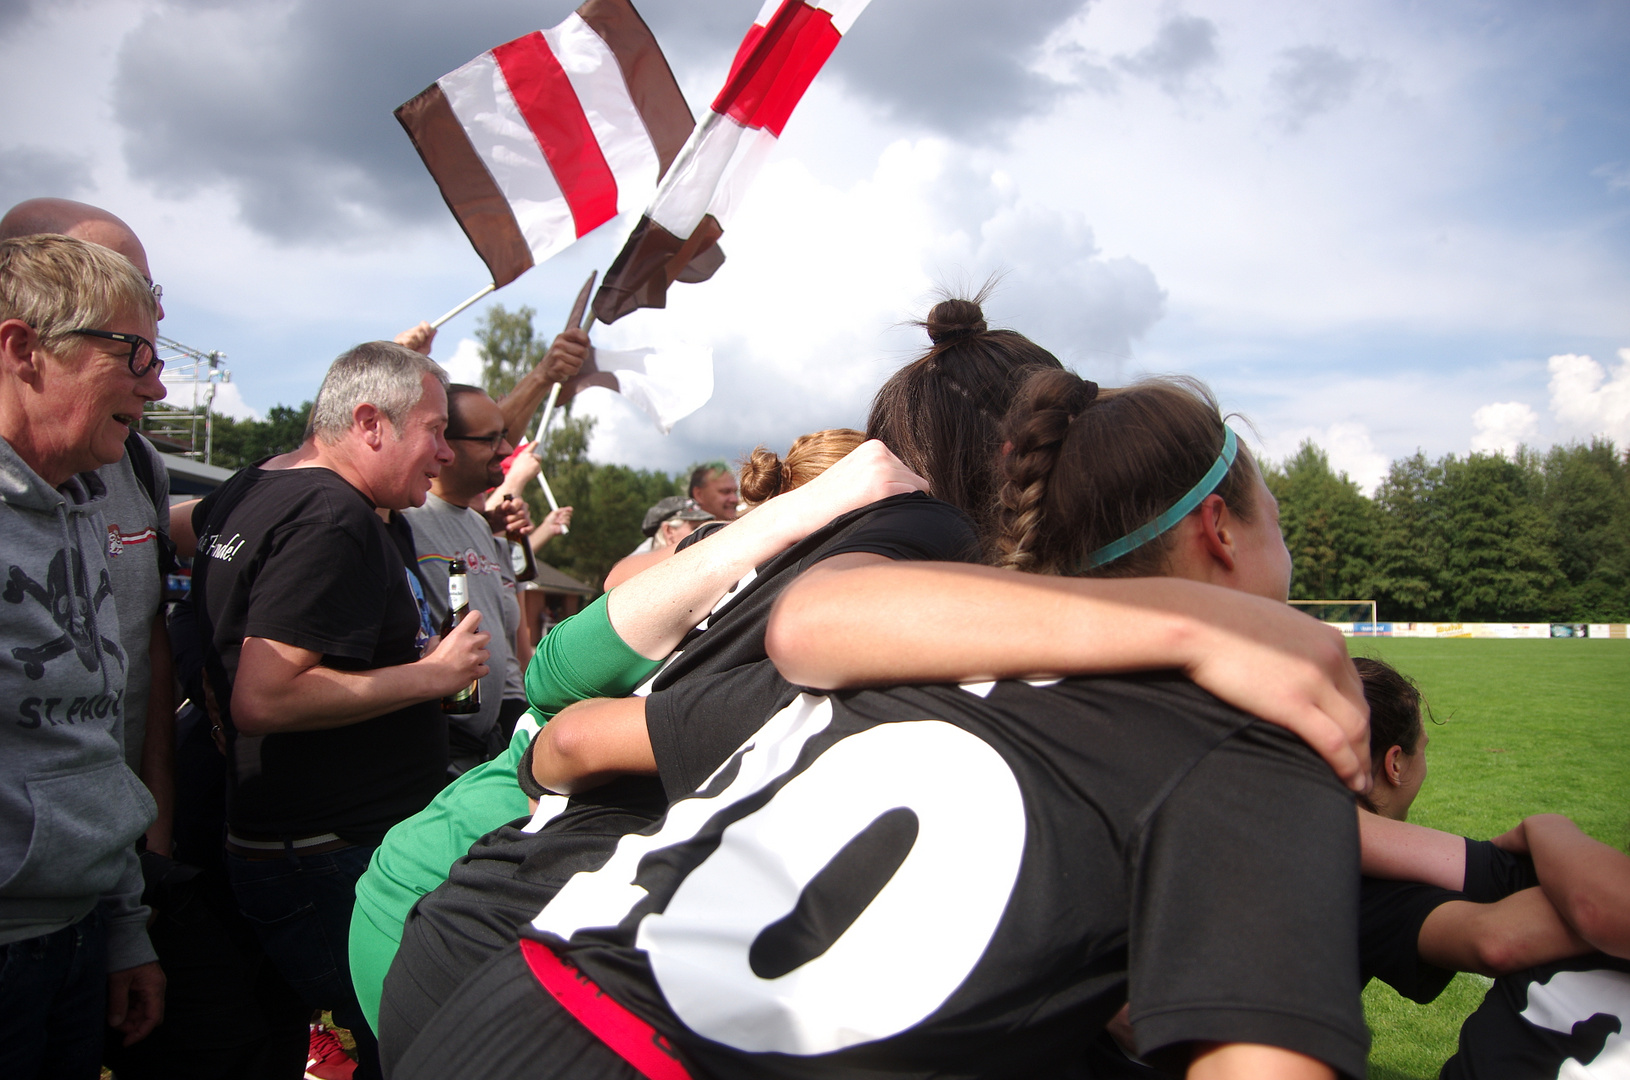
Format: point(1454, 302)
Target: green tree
point(1499, 551)
point(1329, 527)
point(239, 443)
point(1409, 547)
point(510, 348)
point(1586, 495)
point(609, 502)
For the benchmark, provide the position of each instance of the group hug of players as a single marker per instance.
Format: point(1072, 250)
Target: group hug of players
point(834, 792)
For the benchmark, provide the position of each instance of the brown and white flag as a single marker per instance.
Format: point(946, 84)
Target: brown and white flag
point(676, 239)
point(538, 141)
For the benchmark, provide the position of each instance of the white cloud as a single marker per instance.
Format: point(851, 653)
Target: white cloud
point(464, 366)
point(182, 392)
point(1589, 399)
point(1349, 445)
point(229, 402)
point(1504, 426)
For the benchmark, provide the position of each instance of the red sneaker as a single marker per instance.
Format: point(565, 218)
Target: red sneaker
point(327, 1059)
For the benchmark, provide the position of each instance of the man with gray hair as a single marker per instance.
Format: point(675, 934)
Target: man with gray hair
point(321, 662)
point(77, 365)
point(137, 517)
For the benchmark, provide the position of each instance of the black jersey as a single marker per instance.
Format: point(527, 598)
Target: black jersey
point(299, 556)
point(1391, 914)
point(970, 881)
point(1566, 1020)
point(714, 695)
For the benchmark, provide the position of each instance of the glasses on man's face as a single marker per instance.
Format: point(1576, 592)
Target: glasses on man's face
point(493, 441)
point(143, 356)
point(156, 289)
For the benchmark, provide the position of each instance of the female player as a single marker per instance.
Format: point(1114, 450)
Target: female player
point(943, 880)
point(1543, 908)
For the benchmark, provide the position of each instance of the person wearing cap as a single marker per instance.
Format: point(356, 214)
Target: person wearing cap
point(671, 520)
point(666, 524)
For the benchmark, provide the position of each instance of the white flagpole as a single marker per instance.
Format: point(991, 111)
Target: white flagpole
point(487, 289)
point(549, 412)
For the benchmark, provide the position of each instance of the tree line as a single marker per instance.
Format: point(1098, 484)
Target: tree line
point(1537, 537)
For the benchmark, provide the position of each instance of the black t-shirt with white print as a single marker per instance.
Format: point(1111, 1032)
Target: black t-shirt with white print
point(1569, 1019)
point(299, 556)
point(944, 881)
point(1566, 1019)
point(727, 691)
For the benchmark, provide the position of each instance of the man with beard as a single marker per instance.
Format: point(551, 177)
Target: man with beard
point(446, 528)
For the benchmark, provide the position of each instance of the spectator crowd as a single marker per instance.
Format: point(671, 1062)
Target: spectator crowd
point(980, 742)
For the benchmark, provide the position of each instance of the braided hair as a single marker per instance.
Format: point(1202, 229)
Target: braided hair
point(1085, 467)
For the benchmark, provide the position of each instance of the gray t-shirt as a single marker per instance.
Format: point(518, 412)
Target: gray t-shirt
point(136, 533)
point(443, 531)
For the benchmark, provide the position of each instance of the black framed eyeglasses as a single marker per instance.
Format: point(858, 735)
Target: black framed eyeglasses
point(143, 355)
point(493, 441)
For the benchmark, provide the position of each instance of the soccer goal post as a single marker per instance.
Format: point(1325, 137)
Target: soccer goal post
point(1374, 623)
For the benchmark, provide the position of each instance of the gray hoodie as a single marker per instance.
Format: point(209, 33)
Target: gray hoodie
point(70, 809)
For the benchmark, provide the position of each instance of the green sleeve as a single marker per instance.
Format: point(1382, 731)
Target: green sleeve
point(582, 657)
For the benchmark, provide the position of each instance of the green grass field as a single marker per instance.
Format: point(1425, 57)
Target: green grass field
point(1524, 727)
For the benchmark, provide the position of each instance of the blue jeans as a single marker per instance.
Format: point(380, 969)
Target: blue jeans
point(53, 1003)
point(300, 907)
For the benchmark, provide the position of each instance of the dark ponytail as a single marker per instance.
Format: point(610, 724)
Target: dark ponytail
point(941, 414)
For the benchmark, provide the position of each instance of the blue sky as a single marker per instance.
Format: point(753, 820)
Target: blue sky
point(1372, 225)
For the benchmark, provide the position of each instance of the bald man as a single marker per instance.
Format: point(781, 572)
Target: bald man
point(138, 535)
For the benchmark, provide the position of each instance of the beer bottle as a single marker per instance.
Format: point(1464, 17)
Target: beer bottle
point(521, 560)
point(467, 700)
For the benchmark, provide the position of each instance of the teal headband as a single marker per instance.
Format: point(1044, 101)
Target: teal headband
point(1184, 506)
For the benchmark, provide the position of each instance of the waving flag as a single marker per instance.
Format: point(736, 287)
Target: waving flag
point(538, 141)
point(675, 239)
point(667, 384)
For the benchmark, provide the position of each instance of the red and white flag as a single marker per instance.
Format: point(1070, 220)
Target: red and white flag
point(777, 60)
point(540, 140)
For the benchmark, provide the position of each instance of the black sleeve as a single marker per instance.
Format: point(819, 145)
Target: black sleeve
point(911, 529)
point(322, 588)
point(1391, 914)
point(1493, 874)
point(697, 723)
point(701, 532)
point(523, 774)
point(1244, 914)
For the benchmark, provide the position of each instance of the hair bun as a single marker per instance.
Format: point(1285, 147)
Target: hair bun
point(951, 320)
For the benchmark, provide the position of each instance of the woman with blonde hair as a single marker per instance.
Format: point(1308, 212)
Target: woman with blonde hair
point(763, 475)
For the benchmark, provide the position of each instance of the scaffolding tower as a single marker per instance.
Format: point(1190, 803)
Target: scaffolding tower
point(191, 375)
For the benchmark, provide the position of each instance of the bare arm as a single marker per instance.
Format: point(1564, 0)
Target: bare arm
point(181, 532)
point(951, 622)
point(1494, 939)
point(563, 360)
point(1399, 851)
point(280, 687)
point(1252, 1061)
point(653, 610)
point(1588, 881)
point(631, 565)
point(158, 749)
point(591, 742)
